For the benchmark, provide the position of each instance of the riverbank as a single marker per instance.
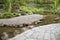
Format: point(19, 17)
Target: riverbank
point(50, 19)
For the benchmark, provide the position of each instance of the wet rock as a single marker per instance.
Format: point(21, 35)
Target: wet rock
point(4, 36)
point(37, 22)
point(31, 26)
point(25, 28)
point(26, 19)
point(56, 18)
point(46, 32)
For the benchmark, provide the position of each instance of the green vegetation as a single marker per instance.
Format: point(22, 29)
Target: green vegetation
point(13, 8)
point(29, 6)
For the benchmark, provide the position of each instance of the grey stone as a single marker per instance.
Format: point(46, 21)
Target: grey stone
point(5, 36)
point(56, 18)
point(27, 19)
point(46, 32)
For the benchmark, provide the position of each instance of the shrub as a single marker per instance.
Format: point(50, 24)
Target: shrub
point(8, 15)
point(34, 10)
point(38, 11)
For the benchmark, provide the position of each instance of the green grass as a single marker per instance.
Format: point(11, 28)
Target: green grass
point(8, 15)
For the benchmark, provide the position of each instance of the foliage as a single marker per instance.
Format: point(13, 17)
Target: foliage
point(8, 15)
point(30, 10)
point(30, 6)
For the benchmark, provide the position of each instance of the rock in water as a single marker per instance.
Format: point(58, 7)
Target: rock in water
point(46, 32)
point(5, 36)
point(27, 19)
point(56, 18)
point(16, 32)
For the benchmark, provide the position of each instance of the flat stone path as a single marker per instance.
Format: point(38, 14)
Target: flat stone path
point(46, 32)
point(27, 19)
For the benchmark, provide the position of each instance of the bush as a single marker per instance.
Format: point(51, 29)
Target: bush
point(26, 9)
point(8, 15)
point(34, 10)
point(38, 11)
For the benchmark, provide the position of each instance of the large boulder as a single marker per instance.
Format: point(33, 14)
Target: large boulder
point(18, 21)
point(46, 32)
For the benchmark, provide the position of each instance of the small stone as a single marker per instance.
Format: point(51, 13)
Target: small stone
point(25, 28)
point(16, 32)
point(4, 36)
point(39, 21)
point(31, 26)
point(56, 18)
point(35, 23)
point(21, 25)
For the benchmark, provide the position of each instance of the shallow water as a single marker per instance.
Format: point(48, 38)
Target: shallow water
point(10, 30)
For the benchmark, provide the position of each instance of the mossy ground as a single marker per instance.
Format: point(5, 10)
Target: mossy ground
point(49, 20)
